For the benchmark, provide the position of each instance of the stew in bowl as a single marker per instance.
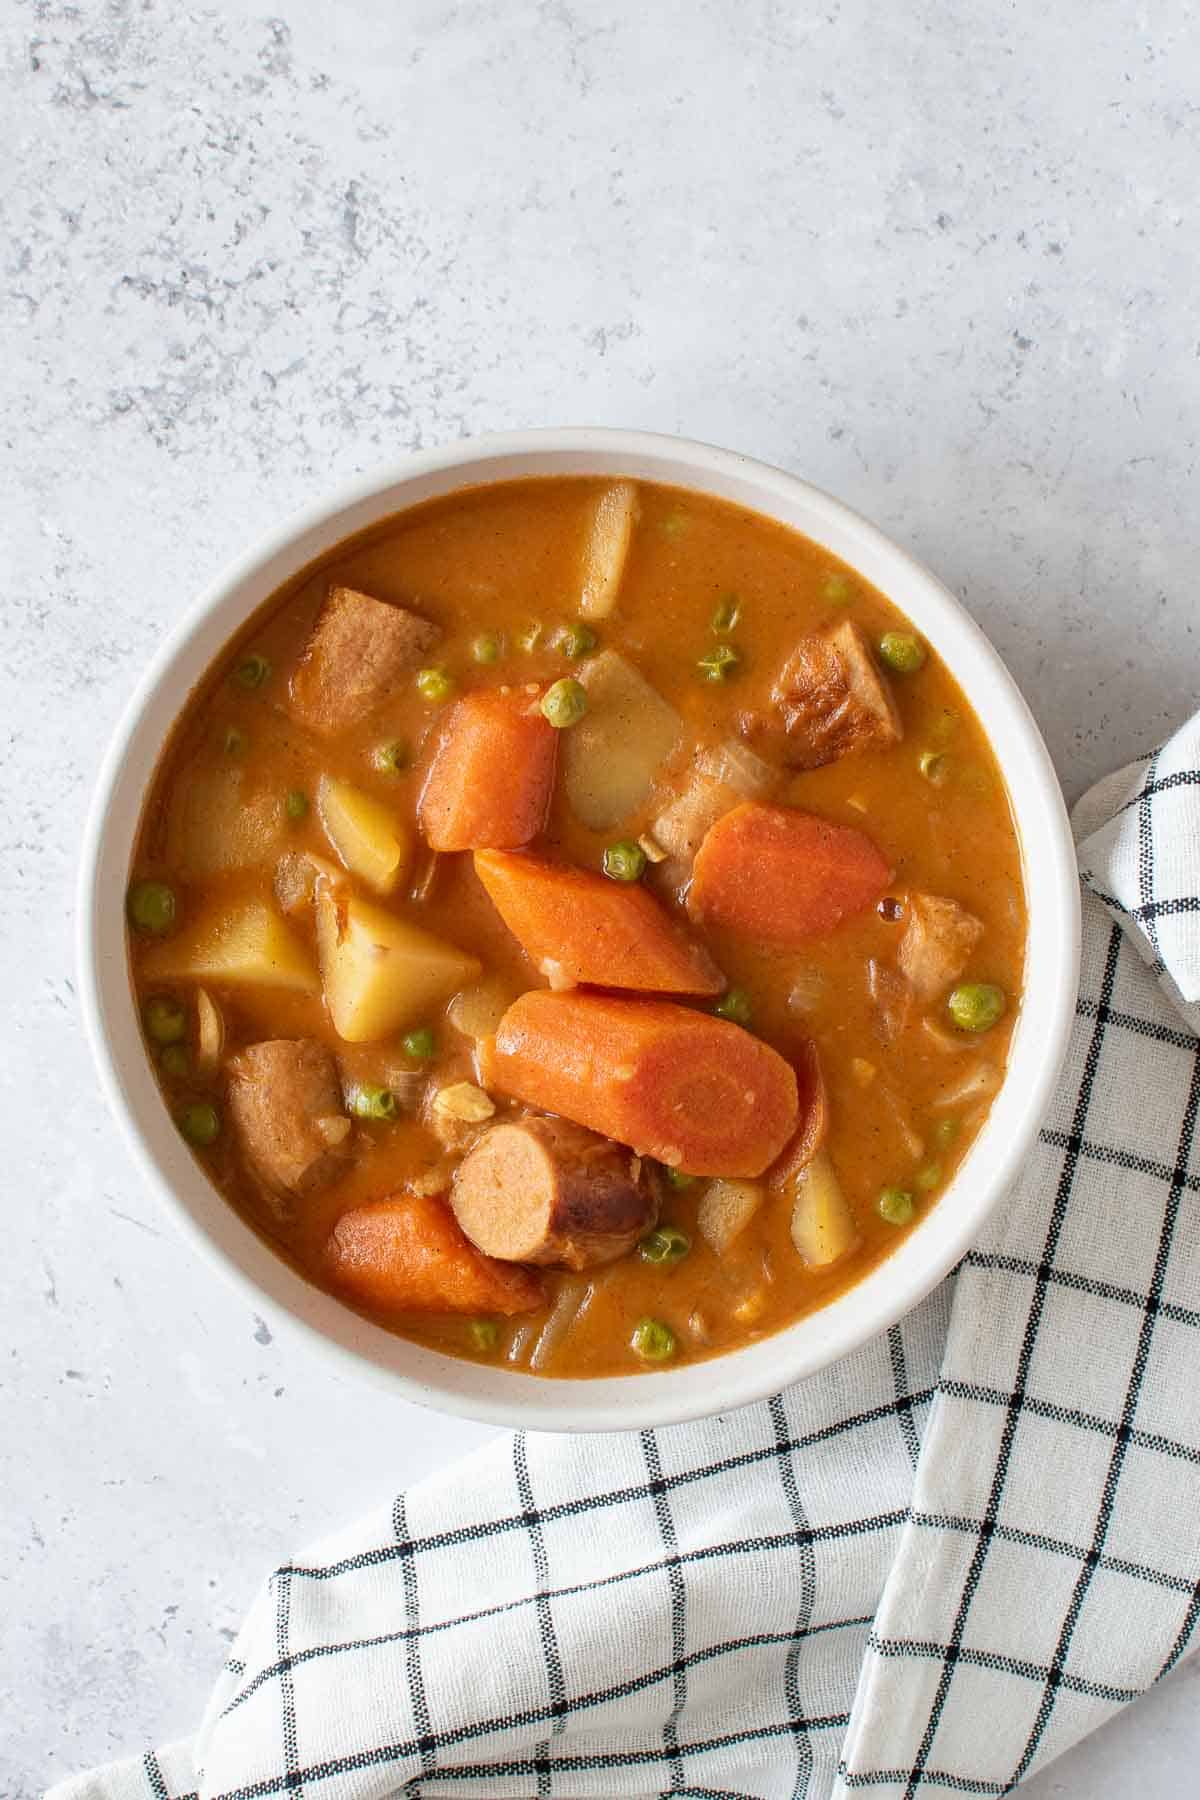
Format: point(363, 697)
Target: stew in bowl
point(579, 924)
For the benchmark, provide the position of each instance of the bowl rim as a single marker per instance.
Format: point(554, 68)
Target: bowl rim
point(505, 1397)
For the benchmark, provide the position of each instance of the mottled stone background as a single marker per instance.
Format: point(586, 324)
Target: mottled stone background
point(940, 256)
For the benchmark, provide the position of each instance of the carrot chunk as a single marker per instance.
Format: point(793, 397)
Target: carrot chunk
point(783, 876)
point(407, 1254)
point(492, 775)
point(810, 1134)
point(580, 927)
point(698, 1093)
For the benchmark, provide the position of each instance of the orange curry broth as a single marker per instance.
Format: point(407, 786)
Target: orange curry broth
point(495, 559)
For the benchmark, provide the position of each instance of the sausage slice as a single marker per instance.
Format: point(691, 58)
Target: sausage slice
point(286, 1104)
point(545, 1191)
point(359, 649)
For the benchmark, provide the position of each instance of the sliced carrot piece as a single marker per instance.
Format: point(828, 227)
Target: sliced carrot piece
point(592, 929)
point(813, 1128)
point(407, 1254)
point(783, 876)
point(492, 775)
point(698, 1093)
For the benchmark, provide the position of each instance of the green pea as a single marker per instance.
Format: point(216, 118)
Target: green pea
point(666, 1245)
point(837, 588)
point(393, 758)
point(235, 741)
point(564, 703)
point(577, 641)
point(902, 651)
point(625, 861)
point(677, 1179)
point(418, 1044)
point(296, 804)
point(652, 1340)
point(729, 611)
point(530, 636)
point(487, 648)
point(434, 685)
point(151, 907)
point(929, 1177)
point(977, 1005)
point(674, 525)
point(174, 1060)
point(367, 1102)
point(720, 663)
point(946, 1131)
point(935, 767)
point(200, 1123)
point(252, 671)
point(735, 1005)
point(895, 1205)
point(483, 1333)
point(165, 1019)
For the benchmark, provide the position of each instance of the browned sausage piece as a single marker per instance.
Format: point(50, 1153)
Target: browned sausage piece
point(830, 698)
point(357, 653)
point(286, 1103)
point(545, 1191)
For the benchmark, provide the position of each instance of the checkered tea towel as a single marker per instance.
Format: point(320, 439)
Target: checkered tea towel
point(930, 1569)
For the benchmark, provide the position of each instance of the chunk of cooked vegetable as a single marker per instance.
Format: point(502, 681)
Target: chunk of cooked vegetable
point(368, 837)
point(200, 1123)
point(895, 1205)
point(210, 1034)
point(359, 649)
point(492, 776)
point(823, 1228)
point(548, 1192)
point(296, 878)
point(420, 1044)
point(735, 1004)
point(692, 1091)
point(379, 972)
point(783, 876)
point(902, 651)
point(938, 941)
point(892, 997)
point(464, 1101)
point(594, 930)
point(280, 1094)
point(737, 767)
point(151, 907)
point(725, 1210)
point(407, 1254)
point(653, 1341)
point(564, 703)
point(665, 1246)
point(218, 821)
point(248, 944)
point(613, 756)
point(813, 1126)
point(478, 1010)
point(720, 663)
point(435, 684)
point(624, 861)
point(977, 1005)
point(830, 698)
point(605, 549)
point(165, 1019)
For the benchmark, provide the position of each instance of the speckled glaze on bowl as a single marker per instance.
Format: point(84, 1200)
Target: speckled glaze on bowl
point(501, 1396)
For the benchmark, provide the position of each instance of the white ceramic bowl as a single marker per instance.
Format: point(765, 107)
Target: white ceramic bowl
point(498, 1395)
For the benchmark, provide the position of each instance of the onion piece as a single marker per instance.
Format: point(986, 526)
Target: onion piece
point(737, 766)
point(606, 548)
point(477, 1011)
point(979, 1083)
point(725, 1210)
point(808, 990)
point(893, 999)
point(210, 1034)
point(574, 1298)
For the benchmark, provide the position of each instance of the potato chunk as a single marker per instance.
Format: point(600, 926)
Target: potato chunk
point(216, 822)
point(380, 972)
point(606, 548)
point(823, 1227)
point(612, 758)
point(250, 945)
point(368, 837)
